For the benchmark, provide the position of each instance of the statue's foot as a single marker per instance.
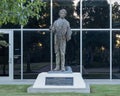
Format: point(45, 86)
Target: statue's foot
point(63, 69)
point(56, 69)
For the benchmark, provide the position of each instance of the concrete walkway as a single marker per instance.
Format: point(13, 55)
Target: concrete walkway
point(30, 82)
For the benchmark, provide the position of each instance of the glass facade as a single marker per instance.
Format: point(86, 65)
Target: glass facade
point(94, 49)
point(4, 57)
point(17, 54)
point(115, 14)
point(116, 55)
point(96, 54)
point(95, 14)
point(36, 53)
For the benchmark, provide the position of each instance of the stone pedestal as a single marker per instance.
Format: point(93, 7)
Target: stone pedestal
point(59, 82)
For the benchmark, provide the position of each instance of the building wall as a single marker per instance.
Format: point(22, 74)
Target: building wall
point(94, 49)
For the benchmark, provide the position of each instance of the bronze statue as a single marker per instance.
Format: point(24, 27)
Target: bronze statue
point(62, 34)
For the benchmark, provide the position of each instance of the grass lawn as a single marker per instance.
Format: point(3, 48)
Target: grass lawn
point(96, 90)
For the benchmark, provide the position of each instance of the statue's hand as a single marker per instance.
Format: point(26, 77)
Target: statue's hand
point(50, 28)
point(68, 38)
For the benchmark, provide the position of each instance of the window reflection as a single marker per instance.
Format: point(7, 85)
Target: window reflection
point(116, 13)
point(10, 26)
point(17, 54)
point(116, 55)
point(36, 53)
point(4, 56)
point(73, 52)
point(95, 14)
point(96, 55)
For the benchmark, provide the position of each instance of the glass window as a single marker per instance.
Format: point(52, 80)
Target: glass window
point(96, 59)
point(95, 14)
point(72, 52)
point(116, 55)
point(4, 57)
point(116, 13)
point(36, 53)
point(72, 7)
point(44, 20)
point(10, 26)
point(17, 54)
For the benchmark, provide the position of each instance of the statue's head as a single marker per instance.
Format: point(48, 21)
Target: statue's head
point(62, 13)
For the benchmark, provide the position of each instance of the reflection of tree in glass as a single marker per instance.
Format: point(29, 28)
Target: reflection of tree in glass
point(73, 50)
point(36, 48)
point(3, 53)
point(116, 14)
point(2, 42)
point(116, 49)
point(96, 48)
point(95, 13)
point(116, 40)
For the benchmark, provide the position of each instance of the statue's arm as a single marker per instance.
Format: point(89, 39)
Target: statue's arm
point(52, 28)
point(69, 32)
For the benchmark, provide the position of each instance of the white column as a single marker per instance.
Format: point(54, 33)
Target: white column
point(81, 37)
point(110, 40)
point(21, 52)
point(51, 34)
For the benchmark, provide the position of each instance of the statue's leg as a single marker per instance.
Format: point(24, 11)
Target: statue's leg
point(62, 53)
point(57, 61)
point(57, 52)
point(62, 61)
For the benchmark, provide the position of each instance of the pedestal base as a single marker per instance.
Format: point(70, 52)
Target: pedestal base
point(59, 82)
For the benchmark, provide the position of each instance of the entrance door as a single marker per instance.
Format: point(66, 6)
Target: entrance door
point(6, 55)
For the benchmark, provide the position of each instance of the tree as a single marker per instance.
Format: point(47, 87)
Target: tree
point(19, 12)
point(116, 24)
point(116, 15)
point(43, 21)
point(3, 42)
point(95, 14)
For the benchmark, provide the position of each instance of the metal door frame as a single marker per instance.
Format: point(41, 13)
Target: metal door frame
point(10, 33)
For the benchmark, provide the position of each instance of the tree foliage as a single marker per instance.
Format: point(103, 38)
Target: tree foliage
point(43, 21)
point(2, 42)
point(95, 13)
point(116, 14)
point(19, 11)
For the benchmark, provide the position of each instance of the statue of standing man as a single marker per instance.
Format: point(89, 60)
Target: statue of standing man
point(62, 34)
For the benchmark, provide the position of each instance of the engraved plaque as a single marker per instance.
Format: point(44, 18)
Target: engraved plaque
point(59, 81)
